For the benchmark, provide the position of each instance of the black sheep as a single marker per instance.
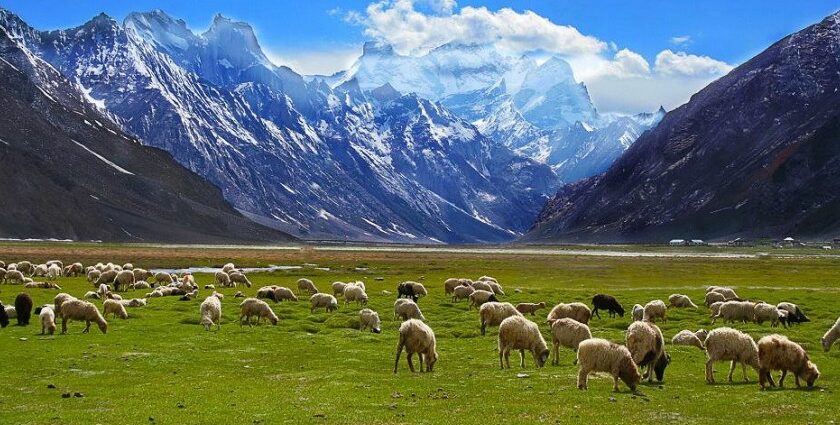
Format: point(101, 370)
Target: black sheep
point(407, 291)
point(4, 318)
point(23, 307)
point(661, 364)
point(606, 302)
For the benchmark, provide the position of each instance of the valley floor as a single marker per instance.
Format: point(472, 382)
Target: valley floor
point(161, 367)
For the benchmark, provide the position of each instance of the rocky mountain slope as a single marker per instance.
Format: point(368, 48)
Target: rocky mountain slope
point(756, 154)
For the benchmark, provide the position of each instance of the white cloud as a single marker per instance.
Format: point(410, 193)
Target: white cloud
point(324, 61)
point(680, 40)
point(686, 65)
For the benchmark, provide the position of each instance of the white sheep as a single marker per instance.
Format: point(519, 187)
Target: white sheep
point(60, 299)
point(338, 288)
point(369, 319)
point(713, 297)
point(600, 355)
point(281, 293)
point(830, 336)
point(638, 312)
point(480, 296)
point(355, 293)
point(325, 301)
point(106, 277)
point(93, 276)
point(164, 278)
point(763, 312)
point(450, 284)
point(654, 311)
point(229, 267)
point(47, 316)
point(238, 277)
point(407, 309)
point(568, 333)
point(728, 293)
point(417, 337)
point(496, 288)
point(134, 302)
point(141, 274)
point(730, 344)
point(42, 285)
point(221, 278)
point(14, 276)
point(529, 308)
point(75, 309)
point(461, 292)
point(211, 312)
point(687, 337)
point(92, 295)
point(714, 308)
point(11, 312)
point(114, 307)
point(481, 285)
point(53, 272)
point(680, 301)
point(736, 311)
point(252, 307)
point(646, 344)
point(493, 313)
point(518, 333)
point(777, 352)
point(125, 279)
point(576, 311)
point(306, 285)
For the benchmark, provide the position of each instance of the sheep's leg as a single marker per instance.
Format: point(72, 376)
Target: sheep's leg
point(556, 359)
point(796, 377)
point(420, 361)
point(483, 328)
point(399, 351)
point(732, 366)
point(63, 325)
point(410, 362)
point(583, 377)
point(501, 359)
point(615, 383)
point(744, 368)
point(710, 374)
point(522, 359)
point(782, 379)
point(507, 358)
point(596, 313)
point(576, 358)
point(87, 327)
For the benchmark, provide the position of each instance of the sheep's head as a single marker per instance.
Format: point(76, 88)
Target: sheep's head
point(103, 326)
point(810, 374)
point(826, 344)
point(273, 319)
point(431, 359)
point(628, 372)
point(661, 364)
point(542, 357)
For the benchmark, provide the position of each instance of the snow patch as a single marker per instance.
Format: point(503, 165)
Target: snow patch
point(114, 166)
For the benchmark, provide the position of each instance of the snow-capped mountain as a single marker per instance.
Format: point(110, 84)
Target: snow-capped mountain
point(534, 107)
point(349, 161)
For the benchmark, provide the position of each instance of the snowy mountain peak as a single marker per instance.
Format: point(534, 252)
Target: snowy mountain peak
point(385, 93)
point(380, 48)
point(162, 30)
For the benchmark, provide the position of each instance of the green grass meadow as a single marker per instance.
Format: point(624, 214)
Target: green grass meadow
point(161, 367)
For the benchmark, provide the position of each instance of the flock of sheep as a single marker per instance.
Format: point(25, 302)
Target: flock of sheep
point(643, 350)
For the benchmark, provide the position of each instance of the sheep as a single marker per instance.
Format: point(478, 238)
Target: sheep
point(47, 316)
point(4, 318)
point(164, 278)
point(114, 307)
point(830, 336)
point(795, 314)
point(417, 337)
point(40, 270)
point(53, 272)
point(124, 279)
point(407, 309)
point(42, 285)
point(211, 312)
point(141, 274)
point(654, 311)
point(106, 277)
point(576, 311)
point(134, 302)
point(306, 285)
point(493, 313)
point(518, 333)
point(25, 267)
point(188, 281)
point(568, 333)
point(606, 302)
point(74, 309)
point(730, 344)
point(487, 279)
point(338, 288)
point(128, 266)
point(777, 352)
point(221, 278)
point(411, 289)
point(319, 300)
point(461, 292)
point(482, 286)
point(267, 292)
point(74, 269)
point(369, 319)
point(229, 267)
point(479, 297)
point(680, 301)
point(450, 284)
point(355, 293)
point(531, 308)
point(14, 276)
point(728, 293)
point(281, 293)
point(638, 312)
point(687, 337)
point(600, 355)
point(92, 295)
point(766, 312)
point(714, 308)
point(23, 307)
point(496, 288)
point(251, 307)
point(10, 311)
point(237, 277)
point(238, 294)
point(733, 311)
point(59, 299)
point(3, 275)
point(713, 297)
point(93, 276)
point(646, 344)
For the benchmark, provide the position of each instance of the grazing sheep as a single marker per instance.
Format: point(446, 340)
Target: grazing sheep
point(369, 319)
point(128, 266)
point(125, 279)
point(568, 333)
point(42, 285)
point(480, 296)
point(646, 344)
point(221, 278)
point(306, 285)
point(355, 293)
point(25, 267)
point(600, 355)
point(53, 272)
point(281, 293)
point(488, 279)
point(417, 337)
point(531, 308)
point(730, 344)
point(638, 312)
point(267, 292)
point(461, 292)
point(164, 278)
point(92, 295)
point(40, 270)
point(75, 269)
point(134, 302)
point(736, 311)
point(23, 307)
point(518, 333)
point(325, 301)
point(496, 288)
point(728, 293)
point(74, 309)
point(680, 301)
point(338, 288)
point(14, 276)
point(141, 274)
point(252, 307)
point(714, 308)
point(576, 311)
point(93, 276)
point(713, 297)
point(481, 285)
point(777, 352)
point(687, 337)
point(450, 284)
point(493, 313)
point(211, 313)
point(107, 277)
point(411, 289)
point(406, 309)
point(209, 286)
point(4, 318)
point(830, 336)
point(654, 311)
point(10, 311)
point(795, 314)
point(114, 307)
point(606, 302)
point(47, 316)
point(60, 299)
point(238, 277)
point(238, 294)
point(763, 312)
point(229, 267)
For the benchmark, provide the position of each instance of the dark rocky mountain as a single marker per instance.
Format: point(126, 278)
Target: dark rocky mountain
point(69, 172)
point(756, 153)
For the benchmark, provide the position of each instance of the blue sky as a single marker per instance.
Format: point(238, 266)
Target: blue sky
point(614, 46)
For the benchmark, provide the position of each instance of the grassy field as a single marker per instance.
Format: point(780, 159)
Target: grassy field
point(161, 367)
